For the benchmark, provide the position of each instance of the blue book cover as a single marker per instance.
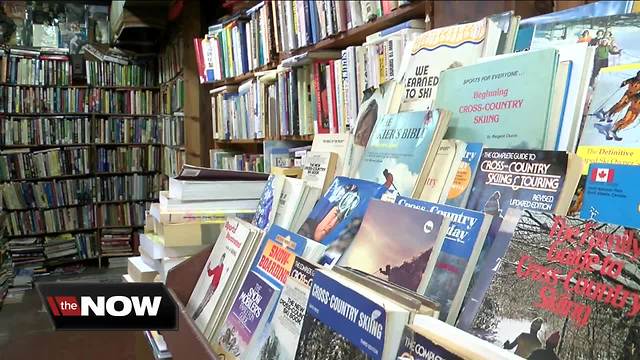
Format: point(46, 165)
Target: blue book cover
point(396, 243)
point(457, 256)
point(461, 188)
point(489, 103)
point(336, 217)
point(611, 194)
point(397, 150)
point(313, 20)
point(341, 323)
point(266, 210)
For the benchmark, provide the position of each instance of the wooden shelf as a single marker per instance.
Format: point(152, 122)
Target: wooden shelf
point(42, 114)
point(64, 261)
point(172, 79)
point(240, 78)
point(115, 173)
point(121, 227)
point(53, 233)
point(50, 207)
point(260, 141)
point(106, 202)
point(44, 86)
point(44, 146)
point(125, 254)
point(125, 87)
point(60, 177)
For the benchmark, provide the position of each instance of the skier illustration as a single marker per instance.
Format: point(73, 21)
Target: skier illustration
point(216, 275)
point(631, 98)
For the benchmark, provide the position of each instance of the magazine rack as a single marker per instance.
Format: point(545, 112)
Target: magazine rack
point(187, 342)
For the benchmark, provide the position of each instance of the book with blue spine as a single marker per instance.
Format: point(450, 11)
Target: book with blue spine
point(337, 216)
point(401, 150)
point(345, 321)
point(611, 194)
point(268, 204)
point(461, 188)
point(490, 105)
point(456, 257)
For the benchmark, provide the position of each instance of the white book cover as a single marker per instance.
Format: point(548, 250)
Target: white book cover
point(219, 271)
point(336, 143)
point(319, 169)
point(292, 193)
point(444, 164)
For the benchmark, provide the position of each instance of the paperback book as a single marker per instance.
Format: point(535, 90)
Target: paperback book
point(461, 187)
point(269, 200)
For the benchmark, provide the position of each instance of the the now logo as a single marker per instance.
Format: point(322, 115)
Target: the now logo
point(109, 306)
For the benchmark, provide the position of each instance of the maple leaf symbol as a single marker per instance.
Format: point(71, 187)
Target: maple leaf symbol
point(602, 174)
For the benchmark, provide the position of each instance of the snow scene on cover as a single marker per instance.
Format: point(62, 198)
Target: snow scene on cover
point(397, 150)
point(337, 216)
point(268, 204)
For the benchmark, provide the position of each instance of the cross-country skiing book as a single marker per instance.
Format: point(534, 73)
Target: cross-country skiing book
point(490, 105)
point(461, 187)
point(609, 135)
point(340, 144)
point(268, 205)
point(456, 257)
point(433, 339)
point(611, 194)
point(337, 216)
point(397, 244)
point(346, 321)
point(236, 242)
point(437, 50)
point(443, 171)
point(247, 318)
point(564, 282)
point(287, 320)
point(401, 150)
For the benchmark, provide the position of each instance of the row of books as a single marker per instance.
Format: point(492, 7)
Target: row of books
point(228, 160)
point(30, 67)
point(15, 99)
point(127, 214)
point(171, 59)
point(55, 130)
point(129, 159)
point(139, 130)
point(172, 160)
point(129, 187)
point(48, 194)
point(114, 74)
point(32, 222)
point(116, 241)
point(71, 246)
point(23, 164)
point(172, 96)
point(172, 130)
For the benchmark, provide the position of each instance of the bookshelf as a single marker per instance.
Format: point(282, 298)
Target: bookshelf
point(108, 108)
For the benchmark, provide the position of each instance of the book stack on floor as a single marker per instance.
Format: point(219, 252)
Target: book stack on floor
point(117, 242)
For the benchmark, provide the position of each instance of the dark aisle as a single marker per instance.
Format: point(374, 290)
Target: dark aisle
point(27, 333)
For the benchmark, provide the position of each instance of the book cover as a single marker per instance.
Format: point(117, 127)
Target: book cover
point(319, 169)
point(490, 105)
point(457, 255)
point(609, 134)
point(611, 194)
point(292, 192)
point(340, 144)
point(564, 282)
point(442, 173)
point(268, 204)
point(218, 273)
point(435, 51)
point(396, 152)
point(415, 346)
point(337, 216)
point(340, 323)
point(286, 326)
point(247, 317)
point(395, 243)
point(461, 187)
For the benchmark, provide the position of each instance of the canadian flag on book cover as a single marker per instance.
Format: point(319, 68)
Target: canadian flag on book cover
point(602, 175)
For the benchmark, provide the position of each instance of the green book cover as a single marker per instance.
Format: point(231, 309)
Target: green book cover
point(503, 103)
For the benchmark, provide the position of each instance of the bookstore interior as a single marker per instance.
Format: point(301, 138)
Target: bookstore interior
point(320, 179)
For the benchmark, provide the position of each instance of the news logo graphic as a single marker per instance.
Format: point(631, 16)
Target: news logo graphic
point(93, 306)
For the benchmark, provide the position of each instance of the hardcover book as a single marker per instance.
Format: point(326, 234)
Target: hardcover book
point(401, 149)
point(456, 256)
point(611, 194)
point(337, 216)
point(269, 200)
point(287, 320)
point(562, 282)
point(247, 317)
point(490, 105)
point(396, 244)
point(461, 187)
point(220, 273)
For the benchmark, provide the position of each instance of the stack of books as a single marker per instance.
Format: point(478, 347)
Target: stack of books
point(117, 242)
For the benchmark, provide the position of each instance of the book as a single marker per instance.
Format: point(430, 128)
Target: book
point(434, 339)
point(611, 195)
point(214, 190)
point(401, 257)
point(336, 218)
point(319, 169)
point(286, 326)
point(139, 271)
point(335, 143)
point(205, 216)
point(248, 316)
point(292, 193)
point(461, 187)
point(606, 135)
point(345, 321)
point(221, 272)
point(443, 171)
point(401, 150)
point(155, 248)
point(269, 200)
point(456, 256)
point(536, 275)
point(170, 204)
point(490, 105)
